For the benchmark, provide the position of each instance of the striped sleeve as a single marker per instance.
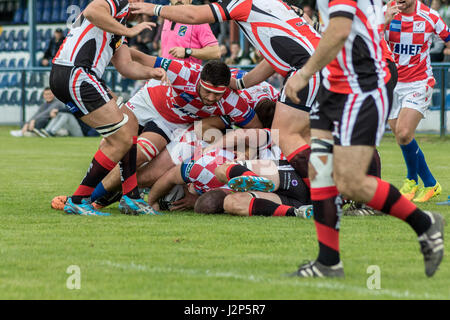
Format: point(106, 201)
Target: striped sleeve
point(117, 6)
point(441, 29)
point(342, 8)
point(237, 10)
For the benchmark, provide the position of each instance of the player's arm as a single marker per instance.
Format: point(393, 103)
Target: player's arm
point(190, 14)
point(127, 67)
point(333, 40)
point(205, 53)
point(257, 75)
point(253, 138)
point(98, 12)
point(164, 184)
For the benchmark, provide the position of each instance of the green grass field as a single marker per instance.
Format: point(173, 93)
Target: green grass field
point(190, 256)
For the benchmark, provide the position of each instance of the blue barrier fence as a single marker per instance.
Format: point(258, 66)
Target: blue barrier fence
point(21, 88)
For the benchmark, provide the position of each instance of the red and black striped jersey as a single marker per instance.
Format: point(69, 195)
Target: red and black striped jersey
point(284, 39)
point(89, 46)
point(361, 64)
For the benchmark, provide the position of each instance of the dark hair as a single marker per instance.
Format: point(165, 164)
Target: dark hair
point(47, 88)
point(210, 202)
point(265, 110)
point(59, 30)
point(217, 73)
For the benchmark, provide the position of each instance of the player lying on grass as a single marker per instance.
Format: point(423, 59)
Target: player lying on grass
point(260, 98)
point(201, 175)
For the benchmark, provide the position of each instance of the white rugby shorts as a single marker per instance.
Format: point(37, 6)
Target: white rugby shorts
point(414, 95)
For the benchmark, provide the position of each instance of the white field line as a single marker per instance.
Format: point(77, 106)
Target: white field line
point(317, 284)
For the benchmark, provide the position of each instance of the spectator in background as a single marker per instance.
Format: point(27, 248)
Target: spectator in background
point(237, 57)
point(146, 41)
point(41, 118)
point(53, 47)
point(194, 43)
point(62, 123)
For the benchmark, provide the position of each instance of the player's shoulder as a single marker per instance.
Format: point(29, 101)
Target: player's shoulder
point(424, 10)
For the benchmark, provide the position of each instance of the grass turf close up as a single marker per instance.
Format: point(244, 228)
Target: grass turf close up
point(183, 255)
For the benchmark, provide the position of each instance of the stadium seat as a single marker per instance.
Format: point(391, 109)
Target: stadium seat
point(48, 34)
point(19, 45)
point(56, 14)
point(46, 15)
point(14, 81)
point(20, 36)
point(83, 4)
point(4, 83)
point(4, 98)
point(18, 16)
point(11, 35)
point(12, 63)
point(14, 98)
point(33, 98)
point(21, 63)
point(3, 63)
point(25, 16)
point(3, 45)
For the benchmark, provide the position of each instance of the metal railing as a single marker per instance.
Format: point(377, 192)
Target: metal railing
point(118, 84)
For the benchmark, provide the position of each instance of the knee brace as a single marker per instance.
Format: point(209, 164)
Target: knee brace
point(147, 148)
point(110, 129)
point(322, 161)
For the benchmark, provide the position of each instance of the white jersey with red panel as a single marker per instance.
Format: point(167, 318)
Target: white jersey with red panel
point(360, 66)
point(284, 39)
point(181, 103)
point(410, 36)
point(89, 46)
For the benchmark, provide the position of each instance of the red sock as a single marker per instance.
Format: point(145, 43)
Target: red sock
point(237, 170)
point(100, 166)
point(389, 200)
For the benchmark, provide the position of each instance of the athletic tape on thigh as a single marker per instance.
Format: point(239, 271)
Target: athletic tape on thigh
point(254, 195)
point(322, 161)
point(110, 129)
point(147, 148)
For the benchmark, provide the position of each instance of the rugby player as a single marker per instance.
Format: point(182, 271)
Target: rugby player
point(95, 39)
point(349, 120)
point(410, 26)
point(286, 41)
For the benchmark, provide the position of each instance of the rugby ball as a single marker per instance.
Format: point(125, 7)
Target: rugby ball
point(175, 194)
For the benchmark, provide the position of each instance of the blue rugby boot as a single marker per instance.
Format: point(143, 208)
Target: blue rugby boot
point(136, 207)
point(83, 209)
point(254, 183)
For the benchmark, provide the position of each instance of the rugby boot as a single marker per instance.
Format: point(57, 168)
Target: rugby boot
point(432, 243)
point(305, 212)
point(254, 183)
point(136, 207)
point(314, 269)
point(83, 209)
point(426, 193)
point(409, 189)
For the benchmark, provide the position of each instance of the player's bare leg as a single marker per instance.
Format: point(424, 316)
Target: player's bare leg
point(294, 136)
point(348, 166)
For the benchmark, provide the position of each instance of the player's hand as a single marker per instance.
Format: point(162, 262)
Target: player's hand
point(178, 52)
point(142, 8)
point(233, 85)
point(186, 203)
point(159, 74)
point(391, 11)
point(137, 29)
point(296, 83)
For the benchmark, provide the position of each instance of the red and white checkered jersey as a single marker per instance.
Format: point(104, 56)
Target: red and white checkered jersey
point(360, 66)
point(181, 103)
point(257, 93)
point(200, 172)
point(410, 36)
point(284, 39)
point(89, 46)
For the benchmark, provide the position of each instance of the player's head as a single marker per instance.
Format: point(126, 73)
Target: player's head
point(48, 95)
point(180, 2)
point(214, 81)
point(265, 110)
point(210, 202)
point(59, 34)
